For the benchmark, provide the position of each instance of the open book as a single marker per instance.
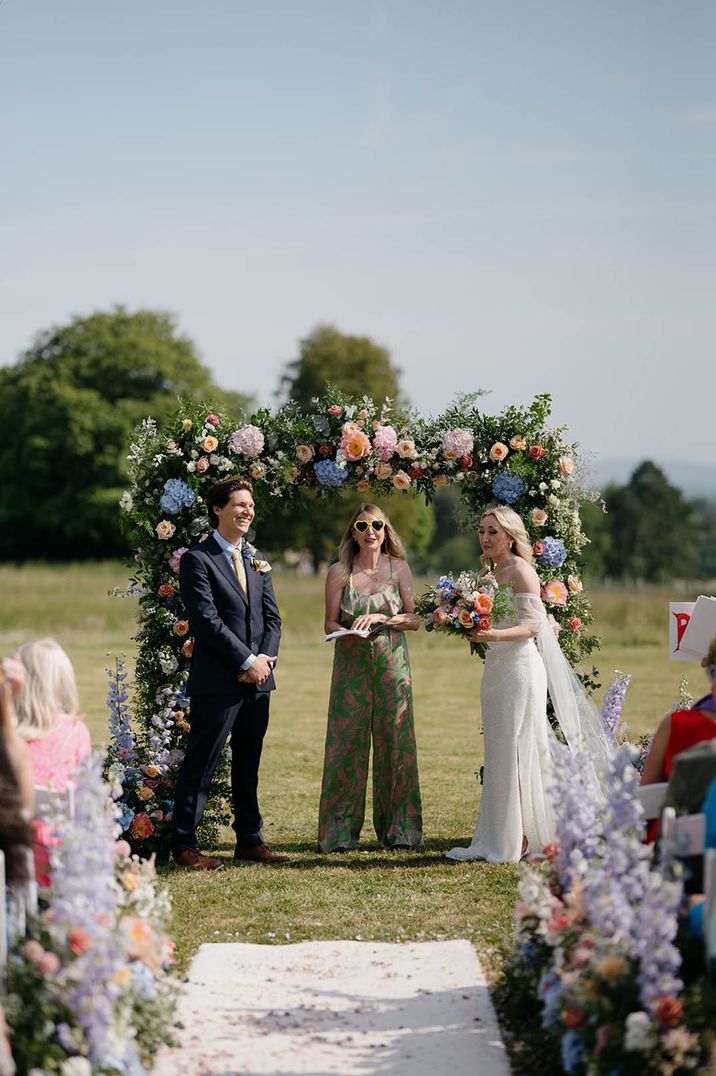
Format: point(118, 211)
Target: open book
point(365, 634)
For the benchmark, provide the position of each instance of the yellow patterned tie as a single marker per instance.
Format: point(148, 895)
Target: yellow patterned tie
point(239, 570)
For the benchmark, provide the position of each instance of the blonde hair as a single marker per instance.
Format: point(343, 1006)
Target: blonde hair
point(50, 688)
point(348, 549)
point(512, 524)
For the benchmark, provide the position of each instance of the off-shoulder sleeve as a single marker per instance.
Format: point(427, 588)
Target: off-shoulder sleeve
point(530, 612)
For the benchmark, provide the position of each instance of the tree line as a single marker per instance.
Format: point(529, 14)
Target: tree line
point(70, 403)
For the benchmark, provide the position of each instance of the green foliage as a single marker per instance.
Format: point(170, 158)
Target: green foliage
point(653, 531)
point(353, 364)
point(71, 403)
point(705, 513)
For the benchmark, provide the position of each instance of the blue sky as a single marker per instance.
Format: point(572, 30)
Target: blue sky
point(519, 197)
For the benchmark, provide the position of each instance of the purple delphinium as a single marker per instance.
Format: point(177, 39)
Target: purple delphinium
point(123, 743)
point(615, 883)
point(85, 894)
point(577, 808)
point(656, 928)
point(613, 704)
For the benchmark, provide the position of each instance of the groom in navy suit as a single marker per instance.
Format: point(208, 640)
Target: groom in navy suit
point(227, 590)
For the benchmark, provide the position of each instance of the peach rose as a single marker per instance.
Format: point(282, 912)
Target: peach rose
point(187, 648)
point(257, 470)
point(362, 485)
point(574, 623)
point(145, 793)
point(180, 628)
point(79, 941)
point(186, 424)
point(406, 449)
point(382, 470)
point(440, 480)
point(210, 444)
point(611, 967)
point(439, 617)
point(536, 452)
point(164, 529)
point(518, 443)
point(483, 604)
point(305, 453)
point(575, 584)
point(566, 465)
point(202, 465)
point(498, 451)
point(465, 617)
point(401, 480)
point(48, 964)
point(539, 517)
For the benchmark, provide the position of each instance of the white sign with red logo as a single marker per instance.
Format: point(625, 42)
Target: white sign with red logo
point(679, 617)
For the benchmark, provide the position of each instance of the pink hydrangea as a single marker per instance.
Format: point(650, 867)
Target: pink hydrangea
point(249, 441)
point(385, 442)
point(176, 557)
point(457, 443)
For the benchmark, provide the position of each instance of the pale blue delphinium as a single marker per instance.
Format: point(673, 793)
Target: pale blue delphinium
point(613, 704)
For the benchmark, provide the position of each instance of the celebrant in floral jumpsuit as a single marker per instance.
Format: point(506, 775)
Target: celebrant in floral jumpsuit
point(369, 590)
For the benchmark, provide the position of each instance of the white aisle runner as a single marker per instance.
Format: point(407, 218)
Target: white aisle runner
point(419, 1009)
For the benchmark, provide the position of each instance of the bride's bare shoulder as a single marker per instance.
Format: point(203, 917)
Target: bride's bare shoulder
point(524, 578)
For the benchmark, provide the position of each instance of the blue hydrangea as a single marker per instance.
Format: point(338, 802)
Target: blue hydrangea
point(572, 1052)
point(126, 816)
point(508, 487)
point(554, 554)
point(176, 495)
point(330, 473)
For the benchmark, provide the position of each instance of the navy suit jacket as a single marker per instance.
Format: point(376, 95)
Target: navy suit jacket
point(227, 624)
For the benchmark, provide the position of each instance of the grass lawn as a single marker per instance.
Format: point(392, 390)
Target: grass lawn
point(370, 894)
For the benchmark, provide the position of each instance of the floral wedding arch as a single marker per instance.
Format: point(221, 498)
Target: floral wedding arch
point(513, 458)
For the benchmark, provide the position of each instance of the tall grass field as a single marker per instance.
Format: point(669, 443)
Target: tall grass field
point(371, 893)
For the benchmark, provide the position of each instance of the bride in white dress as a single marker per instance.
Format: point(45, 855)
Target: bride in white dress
point(515, 815)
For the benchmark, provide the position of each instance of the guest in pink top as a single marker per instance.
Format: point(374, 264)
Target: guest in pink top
point(48, 719)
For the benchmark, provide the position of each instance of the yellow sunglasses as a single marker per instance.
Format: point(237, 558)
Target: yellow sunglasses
point(362, 525)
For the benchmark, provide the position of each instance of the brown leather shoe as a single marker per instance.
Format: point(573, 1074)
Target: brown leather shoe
point(258, 853)
point(196, 860)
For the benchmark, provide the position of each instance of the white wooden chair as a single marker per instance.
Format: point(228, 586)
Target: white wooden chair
point(686, 831)
point(651, 797)
point(53, 803)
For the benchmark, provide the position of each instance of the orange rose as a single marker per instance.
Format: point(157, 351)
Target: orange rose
point(401, 480)
point(466, 619)
point(363, 485)
point(498, 451)
point(536, 452)
point(484, 623)
point(440, 480)
point(483, 604)
point(181, 627)
point(355, 445)
point(574, 623)
point(669, 1011)
point(210, 444)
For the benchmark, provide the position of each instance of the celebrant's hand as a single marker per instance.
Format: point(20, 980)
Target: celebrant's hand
point(366, 621)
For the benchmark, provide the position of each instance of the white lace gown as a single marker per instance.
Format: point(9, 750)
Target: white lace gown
point(517, 739)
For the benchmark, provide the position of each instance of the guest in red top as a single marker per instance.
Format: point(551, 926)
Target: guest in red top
point(682, 729)
point(48, 719)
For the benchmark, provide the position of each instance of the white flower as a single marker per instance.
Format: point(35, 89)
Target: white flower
point(542, 487)
point(191, 466)
point(553, 499)
point(126, 502)
point(555, 483)
point(639, 1032)
point(76, 1066)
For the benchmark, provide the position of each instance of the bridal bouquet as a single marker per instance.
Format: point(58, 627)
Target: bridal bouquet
point(461, 605)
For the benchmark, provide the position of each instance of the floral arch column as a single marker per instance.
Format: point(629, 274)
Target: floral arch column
point(513, 458)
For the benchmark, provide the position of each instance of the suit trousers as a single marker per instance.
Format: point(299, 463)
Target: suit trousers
point(213, 719)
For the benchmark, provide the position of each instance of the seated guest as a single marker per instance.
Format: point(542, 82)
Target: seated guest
point(48, 719)
point(681, 730)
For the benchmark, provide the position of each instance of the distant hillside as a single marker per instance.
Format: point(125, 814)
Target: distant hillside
point(693, 479)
